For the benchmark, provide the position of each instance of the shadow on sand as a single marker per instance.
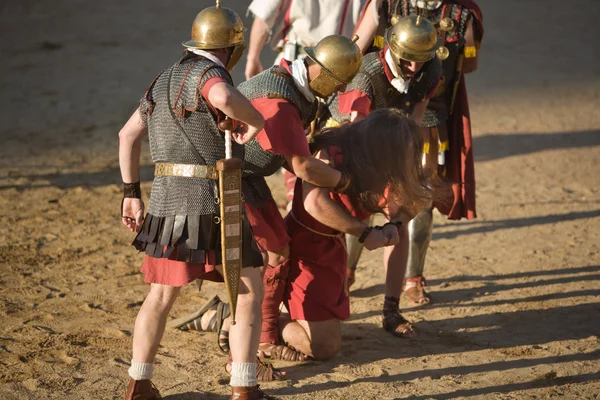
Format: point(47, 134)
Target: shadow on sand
point(495, 146)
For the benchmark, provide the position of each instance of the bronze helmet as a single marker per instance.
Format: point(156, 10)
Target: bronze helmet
point(339, 58)
point(217, 28)
point(413, 38)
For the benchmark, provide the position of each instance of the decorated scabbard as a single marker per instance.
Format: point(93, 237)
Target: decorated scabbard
point(230, 193)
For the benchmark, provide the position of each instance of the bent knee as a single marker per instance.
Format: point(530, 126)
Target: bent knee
point(279, 256)
point(326, 347)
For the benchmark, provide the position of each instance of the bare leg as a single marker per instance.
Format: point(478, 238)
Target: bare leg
point(245, 334)
point(151, 320)
point(354, 250)
point(319, 339)
point(394, 261)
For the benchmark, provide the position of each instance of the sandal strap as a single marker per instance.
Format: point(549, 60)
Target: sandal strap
point(393, 321)
point(418, 280)
point(283, 352)
point(223, 311)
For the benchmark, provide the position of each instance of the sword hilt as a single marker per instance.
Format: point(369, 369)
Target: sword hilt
point(227, 126)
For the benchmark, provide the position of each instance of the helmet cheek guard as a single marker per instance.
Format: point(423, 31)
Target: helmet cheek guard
point(238, 50)
point(339, 59)
point(325, 84)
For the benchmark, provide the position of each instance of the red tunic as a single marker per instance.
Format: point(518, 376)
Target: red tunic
point(317, 263)
point(282, 134)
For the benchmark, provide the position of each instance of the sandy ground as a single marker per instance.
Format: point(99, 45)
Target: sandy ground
point(516, 311)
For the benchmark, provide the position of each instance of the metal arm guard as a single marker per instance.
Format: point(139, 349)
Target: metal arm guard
point(419, 235)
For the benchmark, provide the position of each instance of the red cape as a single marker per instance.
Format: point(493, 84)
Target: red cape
point(460, 164)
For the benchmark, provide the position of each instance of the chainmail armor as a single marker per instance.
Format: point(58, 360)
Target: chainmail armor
point(372, 80)
point(275, 82)
point(173, 195)
point(181, 221)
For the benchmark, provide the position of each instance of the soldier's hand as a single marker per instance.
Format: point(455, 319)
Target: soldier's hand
point(132, 213)
point(245, 133)
point(376, 239)
point(391, 232)
point(253, 67)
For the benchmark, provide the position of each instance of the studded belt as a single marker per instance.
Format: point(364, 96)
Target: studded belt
point(186, 170)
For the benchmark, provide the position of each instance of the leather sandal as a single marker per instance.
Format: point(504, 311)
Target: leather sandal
point(280, 352)
point(192, 321)
point(393, 322)
point(414, 290)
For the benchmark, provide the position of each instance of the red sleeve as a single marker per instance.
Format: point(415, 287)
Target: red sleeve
point(283, 132)
point(209, 84)
point(354, 100)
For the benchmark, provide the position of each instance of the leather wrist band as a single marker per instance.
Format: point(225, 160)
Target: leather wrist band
point(132, 190)
point(397, 224)
point(343, 184)
point(364, 234)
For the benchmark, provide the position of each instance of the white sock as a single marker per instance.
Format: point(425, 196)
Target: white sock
point(140, 371)
point(243, 374)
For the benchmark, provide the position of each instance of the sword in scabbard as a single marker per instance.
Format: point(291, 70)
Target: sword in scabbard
point(230, 193)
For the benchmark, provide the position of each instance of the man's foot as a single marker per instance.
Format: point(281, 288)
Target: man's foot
point(142, 390)
point(414, 290)
point(212, 317)
point(280, 352)
point(393, 322)
point(265, 372)
point(248, 393)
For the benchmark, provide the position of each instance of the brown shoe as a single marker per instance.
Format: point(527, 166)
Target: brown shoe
point(142, 390)
point(248, 393)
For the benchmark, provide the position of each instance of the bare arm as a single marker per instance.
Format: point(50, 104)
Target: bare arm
point(471, 59)
point(419, 111)
point(232, 103)
point(355, 116)
point(368, 26)
point(322, 208)
point(130, 145)
point(314, 171)
point(258, 37)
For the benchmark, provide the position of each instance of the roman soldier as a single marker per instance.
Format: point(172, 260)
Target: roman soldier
point(287, 97)
point(446, 122)
point(404, 74)
point(181, 233)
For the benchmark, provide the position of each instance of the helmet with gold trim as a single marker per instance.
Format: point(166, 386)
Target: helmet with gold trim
point(413, 38)
point(218, 28)
point(339, 58)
